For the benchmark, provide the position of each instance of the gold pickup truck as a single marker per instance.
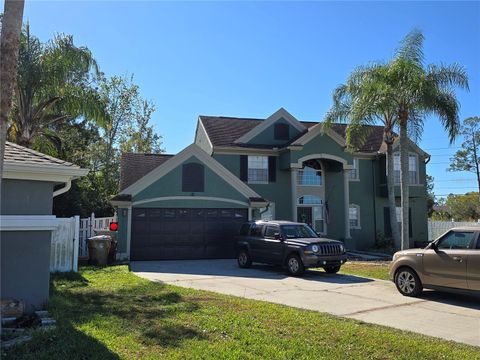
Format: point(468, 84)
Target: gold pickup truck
point(450, 262)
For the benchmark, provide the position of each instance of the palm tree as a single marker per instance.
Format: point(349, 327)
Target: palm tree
point(9, 43)
point(420, 91)
point(54, 83)
point(365, 100)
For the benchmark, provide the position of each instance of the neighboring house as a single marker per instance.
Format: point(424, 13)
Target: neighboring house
point(29, 183)
point(189, 206)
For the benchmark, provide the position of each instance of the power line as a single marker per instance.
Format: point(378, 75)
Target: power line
point(455, 180)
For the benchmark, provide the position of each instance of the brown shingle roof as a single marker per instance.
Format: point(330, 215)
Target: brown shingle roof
point(19, 155)
point(135, 166)
point(223, 131)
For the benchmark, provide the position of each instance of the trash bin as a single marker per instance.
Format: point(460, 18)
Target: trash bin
point(112, 254)
point(98, 249)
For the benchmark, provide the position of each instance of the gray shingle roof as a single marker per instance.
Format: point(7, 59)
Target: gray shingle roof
point(223, 131)
point(19, 155)
point(134, 166)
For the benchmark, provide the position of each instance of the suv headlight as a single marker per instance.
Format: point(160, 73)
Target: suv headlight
point(342, 248)
point(315, 248)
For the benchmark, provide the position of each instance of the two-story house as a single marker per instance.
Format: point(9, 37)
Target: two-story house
point(190, 205)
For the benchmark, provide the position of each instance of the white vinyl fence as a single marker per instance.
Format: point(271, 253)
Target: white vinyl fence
point(87, 229)
point(437, 228)
point(64, 246)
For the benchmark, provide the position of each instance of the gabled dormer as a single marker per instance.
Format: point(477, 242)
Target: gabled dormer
point(278, 129)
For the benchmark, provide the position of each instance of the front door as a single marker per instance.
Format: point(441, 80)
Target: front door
point(447, 264)
point(272, 247)
point(304, 215)
point(473, 267)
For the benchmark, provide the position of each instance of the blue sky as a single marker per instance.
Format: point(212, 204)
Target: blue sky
point(250, 58)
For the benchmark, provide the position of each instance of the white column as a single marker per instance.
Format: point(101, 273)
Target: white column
point(129, 230)
point(346, 191)
point(293, 177)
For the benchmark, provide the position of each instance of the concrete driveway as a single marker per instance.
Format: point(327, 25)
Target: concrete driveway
point(448, 316)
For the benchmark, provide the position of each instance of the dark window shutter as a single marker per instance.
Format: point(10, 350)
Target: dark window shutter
point(387, 228)
point(193, 178)
point(272, 169)
point(243, 167)
point(281, 132)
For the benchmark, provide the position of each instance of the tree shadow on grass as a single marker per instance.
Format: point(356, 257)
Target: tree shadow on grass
point(151, 312)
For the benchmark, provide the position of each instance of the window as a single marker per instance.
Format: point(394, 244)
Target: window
point(257, 230)
point(456, 240)
point(193, 178)
point(354, 174)
point(354, 216)
point(412, 168)
point(309, 200)
point(281, 132)
point(258, 169)
point(309, 176)
point(270, 231)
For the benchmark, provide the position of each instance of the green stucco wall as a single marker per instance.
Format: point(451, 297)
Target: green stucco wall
point(267, 135)
point(26, 197)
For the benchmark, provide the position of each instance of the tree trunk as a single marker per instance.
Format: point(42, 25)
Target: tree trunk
point(9, 44)
point(391, 195)
point(404, 180)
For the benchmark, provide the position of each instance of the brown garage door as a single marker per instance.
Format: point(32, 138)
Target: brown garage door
point(174, 234)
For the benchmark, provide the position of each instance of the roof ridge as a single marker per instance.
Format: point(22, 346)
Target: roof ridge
point(142, 153)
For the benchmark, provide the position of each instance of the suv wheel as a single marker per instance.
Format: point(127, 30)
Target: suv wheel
point(244, 260)
point(408, 283)
point(295, 265)
point(332, 269)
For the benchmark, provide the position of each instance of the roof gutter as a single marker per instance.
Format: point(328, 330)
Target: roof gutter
point(64, 189)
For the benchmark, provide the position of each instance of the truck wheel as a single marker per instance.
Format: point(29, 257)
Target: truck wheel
point(244, 260)
point(295, 265)
point(332, 269)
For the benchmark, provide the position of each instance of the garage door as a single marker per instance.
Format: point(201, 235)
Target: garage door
point(174, 234)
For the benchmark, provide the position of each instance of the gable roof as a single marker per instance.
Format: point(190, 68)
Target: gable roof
point(27, 164)
point(265, 124)
point(134, 166)
point(177, 160)
point(224, 131)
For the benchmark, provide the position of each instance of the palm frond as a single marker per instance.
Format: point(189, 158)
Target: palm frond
point(411, 47)
point(447, 76)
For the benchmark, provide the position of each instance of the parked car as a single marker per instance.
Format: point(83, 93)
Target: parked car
point(295, 246)
point(450, 262)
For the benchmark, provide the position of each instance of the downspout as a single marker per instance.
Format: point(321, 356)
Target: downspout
point(64, 189)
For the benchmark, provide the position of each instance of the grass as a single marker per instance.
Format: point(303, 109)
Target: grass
point(111, 313)
point(374, 270)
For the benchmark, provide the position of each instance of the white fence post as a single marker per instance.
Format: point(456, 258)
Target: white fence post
point(76, 242)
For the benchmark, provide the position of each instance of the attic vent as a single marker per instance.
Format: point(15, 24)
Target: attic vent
point(281, 132)
point(193, 178)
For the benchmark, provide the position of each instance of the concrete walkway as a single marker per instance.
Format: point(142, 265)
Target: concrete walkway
point(448, 316)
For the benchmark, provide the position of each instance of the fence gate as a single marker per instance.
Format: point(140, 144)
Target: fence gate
point(64, 245)
point(88, 226)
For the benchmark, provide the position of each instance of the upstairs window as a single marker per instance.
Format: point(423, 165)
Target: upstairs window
point(309, 177)
point(412, 168)
point(258, 169)
point(309, 200)
point(281, 132)
point(193, 177)
point(354, 174)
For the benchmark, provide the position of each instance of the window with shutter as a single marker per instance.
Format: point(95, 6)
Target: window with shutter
point(193, 178)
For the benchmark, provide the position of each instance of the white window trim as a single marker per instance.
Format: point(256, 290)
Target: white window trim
point(357, 168)
point(359, 226)
point(248, 168)
point(417, 179)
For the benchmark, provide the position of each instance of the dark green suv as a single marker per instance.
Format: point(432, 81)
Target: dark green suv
point(296, 246)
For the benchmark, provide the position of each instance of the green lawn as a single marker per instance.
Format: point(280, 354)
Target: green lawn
point(111, 314)
point(375, 270)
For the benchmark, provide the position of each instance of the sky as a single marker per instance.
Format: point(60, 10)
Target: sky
point(248, 59)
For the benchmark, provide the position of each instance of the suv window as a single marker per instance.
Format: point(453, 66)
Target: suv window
point(257, 230)
point(271, 231)
point(244, 229)
point(456, 240)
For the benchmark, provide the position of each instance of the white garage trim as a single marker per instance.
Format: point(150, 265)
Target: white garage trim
point(204, 198)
